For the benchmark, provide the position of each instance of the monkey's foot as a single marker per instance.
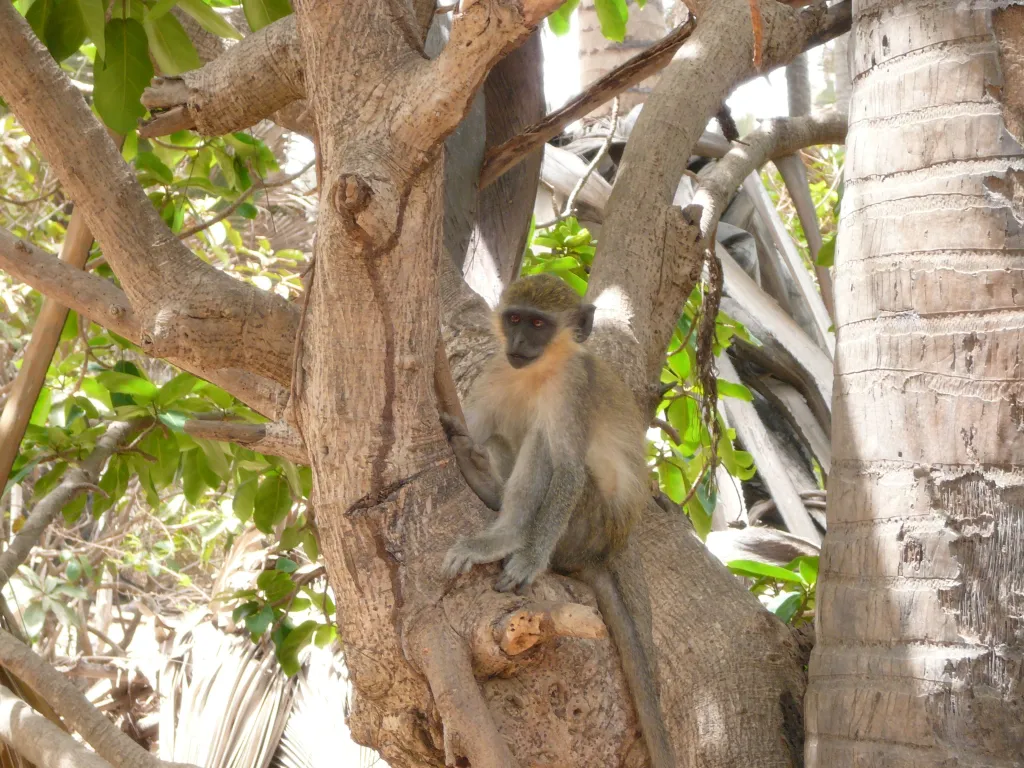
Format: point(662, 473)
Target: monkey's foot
point(519, 572)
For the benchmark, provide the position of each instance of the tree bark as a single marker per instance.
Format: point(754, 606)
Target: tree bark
point(918, 660)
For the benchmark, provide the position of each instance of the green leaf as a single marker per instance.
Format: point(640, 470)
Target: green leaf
point(49, 481)
point(290, 538)
point(192, 480)
point(163, 448)
point(160, 7)
point(127, 384)
point(209, 19)
point(273, 500)
point(559, 22)
point(243, 502)
point(216, 458)
point(123, 75)
point(297, 639)
point(41, 410)
point(612, 14)
point(786, 607)
point(738, 391)
point(247, 211)
point(170, 46)
point(808, 570)
point(260, 13)
point(65, 29)
point(147, 161)
point(244, 610)
point(275, 585)
point(175, 389)
point(73, 509)
point(285, 565)
point(310, 545)
point(325, 635)
point(175, 420)
point(257, 624)
point(33, 617)
point(827, 253)
point(753, 569)
point(113, 483)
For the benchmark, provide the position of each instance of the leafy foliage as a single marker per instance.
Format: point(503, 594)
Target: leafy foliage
point(680, 448)
point(612, 15)
point(788, 592)
point(167, 507)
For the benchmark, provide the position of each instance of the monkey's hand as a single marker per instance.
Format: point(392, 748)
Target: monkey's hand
point(474, 463)
point(490, 546)
point(520, 571)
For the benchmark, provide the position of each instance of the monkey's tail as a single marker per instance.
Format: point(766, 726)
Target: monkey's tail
point(637, 663)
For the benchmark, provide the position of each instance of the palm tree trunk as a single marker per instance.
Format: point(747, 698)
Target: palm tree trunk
point(919, 630)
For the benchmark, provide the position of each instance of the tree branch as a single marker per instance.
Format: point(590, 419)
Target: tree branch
point(37, 739)
point(186, 308)
point(71, 704)
point(774, 138)
point(76, 481)
point(500, 159)
point(39, 352)
point(105, 304)
point(275, 438)
point(690, 90)
point(247, 83)
point(646, 63)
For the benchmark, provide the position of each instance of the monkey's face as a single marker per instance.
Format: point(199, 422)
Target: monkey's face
point(527, 332)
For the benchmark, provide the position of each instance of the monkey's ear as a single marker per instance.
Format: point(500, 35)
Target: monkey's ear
point(585, 322)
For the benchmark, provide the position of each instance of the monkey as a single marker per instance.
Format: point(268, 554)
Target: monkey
point(568, 471)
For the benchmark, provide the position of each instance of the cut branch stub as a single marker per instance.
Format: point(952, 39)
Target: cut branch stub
point(521, 630)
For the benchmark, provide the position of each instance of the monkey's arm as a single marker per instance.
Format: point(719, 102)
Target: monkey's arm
point(564, 492)
point(473, 462)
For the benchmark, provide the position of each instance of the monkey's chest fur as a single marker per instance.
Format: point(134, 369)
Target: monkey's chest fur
point(570, 405)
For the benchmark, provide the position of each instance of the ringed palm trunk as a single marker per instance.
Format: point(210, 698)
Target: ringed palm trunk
point(919, 630)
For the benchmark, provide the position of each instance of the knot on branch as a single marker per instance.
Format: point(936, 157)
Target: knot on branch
point(370, 208)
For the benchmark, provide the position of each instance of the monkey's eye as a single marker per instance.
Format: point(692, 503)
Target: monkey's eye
point(537, 322)
point(514, 319)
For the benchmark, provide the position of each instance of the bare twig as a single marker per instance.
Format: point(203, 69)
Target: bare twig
point(255, 187)
point(515, 150)
point(31, 200)
point(75, 481)
point(570, 202)
point(638, 68)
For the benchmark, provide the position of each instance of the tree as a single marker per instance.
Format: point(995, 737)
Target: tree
point(919, 631)
point(348, 374)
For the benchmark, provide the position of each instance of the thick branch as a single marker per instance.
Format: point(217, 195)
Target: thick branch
point(482, 32)
point(775, 138)
point(105, 304)
point(187, 308)
point(72, 705)
point(38, 740)
point(245, 84)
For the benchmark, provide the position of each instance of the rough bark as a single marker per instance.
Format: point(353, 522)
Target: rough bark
point(918, 660)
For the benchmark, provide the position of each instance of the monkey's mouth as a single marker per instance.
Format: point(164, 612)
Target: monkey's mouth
point(519, 361)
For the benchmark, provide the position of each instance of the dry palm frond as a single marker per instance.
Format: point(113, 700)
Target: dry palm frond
point(224, 701)
point(319, 702)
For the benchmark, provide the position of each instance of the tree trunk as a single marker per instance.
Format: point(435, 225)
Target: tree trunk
point(919, 630)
